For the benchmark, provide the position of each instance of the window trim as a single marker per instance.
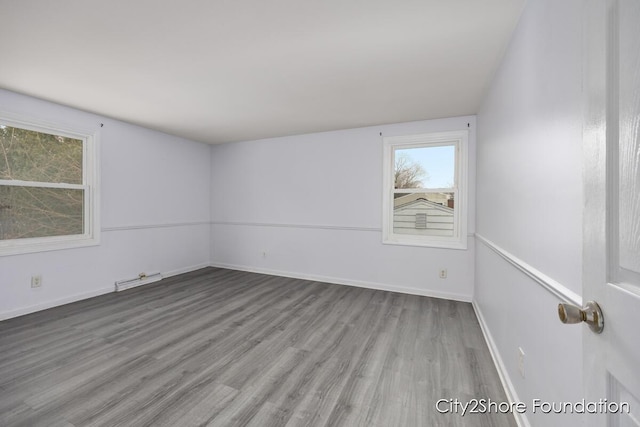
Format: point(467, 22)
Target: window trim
point(90, 185)
point(459, 139)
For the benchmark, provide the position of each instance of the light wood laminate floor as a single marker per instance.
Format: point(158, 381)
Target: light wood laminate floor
point(225, 348)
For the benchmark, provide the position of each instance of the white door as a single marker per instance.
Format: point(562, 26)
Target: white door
point(612, 210)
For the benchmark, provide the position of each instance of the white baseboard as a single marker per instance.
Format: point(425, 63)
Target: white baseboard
point(185, 270)
point(85, 295)
point(347, 282)
point(50, 304)
point(509, 389)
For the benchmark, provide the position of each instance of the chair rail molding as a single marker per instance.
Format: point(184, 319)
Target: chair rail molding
point(556, 288)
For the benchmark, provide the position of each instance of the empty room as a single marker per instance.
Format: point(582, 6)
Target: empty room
point(331, 213)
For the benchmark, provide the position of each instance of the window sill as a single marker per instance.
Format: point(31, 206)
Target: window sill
point(449, 244)
point(27, 246)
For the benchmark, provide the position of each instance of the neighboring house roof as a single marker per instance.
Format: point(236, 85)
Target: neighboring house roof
point(414, 199)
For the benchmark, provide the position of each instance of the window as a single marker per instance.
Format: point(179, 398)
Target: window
point(48, 188)
point(425, 199)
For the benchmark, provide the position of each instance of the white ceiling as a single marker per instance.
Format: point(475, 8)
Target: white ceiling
point(229, 70)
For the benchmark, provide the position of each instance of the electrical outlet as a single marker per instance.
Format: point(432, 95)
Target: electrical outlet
point(521, 361)
point(443, 273)
point(36, 281)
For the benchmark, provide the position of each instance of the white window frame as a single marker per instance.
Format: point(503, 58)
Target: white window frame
point(90, 185)
point(458, 139)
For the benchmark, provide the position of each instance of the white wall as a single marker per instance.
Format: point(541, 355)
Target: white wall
point(529, 204)
point(312, 203)
point(311, 206)
point(154, 209)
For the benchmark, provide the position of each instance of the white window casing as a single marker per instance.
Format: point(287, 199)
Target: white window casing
point(421, 235)
point(89, 186)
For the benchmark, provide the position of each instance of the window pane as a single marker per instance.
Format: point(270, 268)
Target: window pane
point(36, 156)
point(424, 214)
point(426, 167)
point(40, 212)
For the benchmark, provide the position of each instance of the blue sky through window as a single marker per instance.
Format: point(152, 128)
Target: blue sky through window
point(438, 162)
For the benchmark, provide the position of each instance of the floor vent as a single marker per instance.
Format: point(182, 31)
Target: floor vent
point(142, 279)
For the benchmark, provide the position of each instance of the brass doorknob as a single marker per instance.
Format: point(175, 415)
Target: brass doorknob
point(591, 314)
